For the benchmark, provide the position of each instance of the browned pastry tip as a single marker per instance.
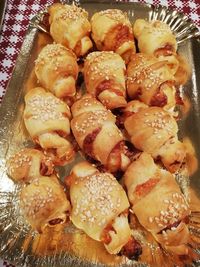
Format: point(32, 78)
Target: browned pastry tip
point(27, 164)
point(183, 73)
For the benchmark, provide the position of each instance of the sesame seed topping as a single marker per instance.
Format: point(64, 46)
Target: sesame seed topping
point(98, 63)
point(94, 119)
point(97, 196)
point(33, 202)
point(158, 121)
point(52, 53)
point(45, 107)
point(115, 14)
point(173, 211)
point(18, 160)
point(72, 12)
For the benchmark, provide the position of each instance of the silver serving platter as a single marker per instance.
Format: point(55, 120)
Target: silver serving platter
point(67, 246)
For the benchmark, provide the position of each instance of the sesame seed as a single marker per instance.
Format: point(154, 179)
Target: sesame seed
point(45, 107)
point(115, 14)
point(98, 189)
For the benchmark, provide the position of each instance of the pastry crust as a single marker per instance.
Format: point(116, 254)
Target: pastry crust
point(156, 38)
point(104, 74)
point(158, 203)
point(112, 31)
point(99, 202)
point(153, 130)
point(47, 120)
point(57, 70)
point(28, 164)
point(96, 133)
point(70, 27)
point(44, 203)
point(151, 81)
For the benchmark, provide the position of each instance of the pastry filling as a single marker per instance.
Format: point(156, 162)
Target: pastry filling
point(166, 50)
point(132, 250)
point(88, 142)
point(109, 85)
point(123, 35)
point(55, 221)
point(105, 237)
point(143, 189)
point(159, 99)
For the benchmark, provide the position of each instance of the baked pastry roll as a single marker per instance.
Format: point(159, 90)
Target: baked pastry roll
point(156, 38)
point(99, 208)
point(105, 79)
point(44, 203)
point(151, 81)
point(158, 203)
point(47, 120)
point(112, 31)
point(96, 133)
point(57, 70)
point(153, 130)
point(27, 164)
point(70, 27)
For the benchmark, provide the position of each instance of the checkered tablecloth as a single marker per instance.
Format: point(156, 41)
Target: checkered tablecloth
point(16, 20)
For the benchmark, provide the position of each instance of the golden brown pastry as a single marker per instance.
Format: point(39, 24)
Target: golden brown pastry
point(70, 27)
point(112, 31)
point(105, 79)
point(183, 72)
point(158, 203)
point(99, 208)
point(153, 130)
point(96, 133)
point(156, 38)
point(47, 120)
point(57, 70)
point(28, 164)
point(151, 81)
point(44, 203)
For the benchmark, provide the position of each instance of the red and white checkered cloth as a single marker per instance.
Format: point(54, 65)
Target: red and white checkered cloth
point(18, 15)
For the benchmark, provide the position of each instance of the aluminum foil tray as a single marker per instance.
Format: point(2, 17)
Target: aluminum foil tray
point(68, 246)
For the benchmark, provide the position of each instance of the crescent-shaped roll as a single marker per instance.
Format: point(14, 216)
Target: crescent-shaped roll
point(70, 27)
point(151, 81)
point(44, 203)
point(112, 31)
point(158, 203)
point(157, 33)
point(47, 120)
point(96, 133)
point(154, 130)
point(104, 74)
point(27, 164)
point(99, 207)
point(156, 38)
point(56, 69)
